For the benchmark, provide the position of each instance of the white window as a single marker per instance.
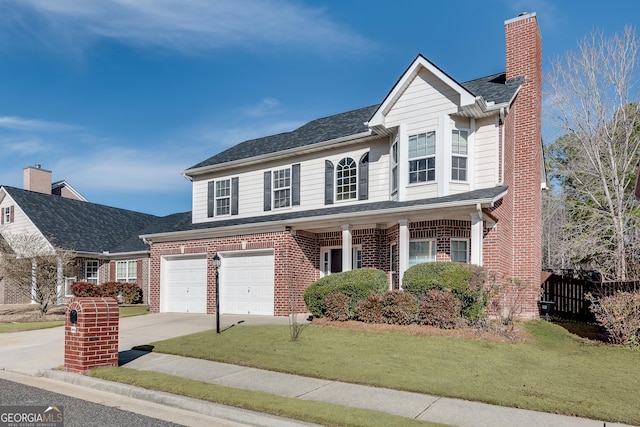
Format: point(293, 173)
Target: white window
point(422, 157)
point(91, 271)
point(394, 168)
point(346, 179)
point(68, 281)
point(282, 188)
point(460, 250)
point(422, 251)
point(357, 258)
point(459, 150)
point(127, 271)
point(223, 197)
point(6, 213)
point(393, 263)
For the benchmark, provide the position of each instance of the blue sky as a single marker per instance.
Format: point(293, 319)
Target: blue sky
point(119, 96)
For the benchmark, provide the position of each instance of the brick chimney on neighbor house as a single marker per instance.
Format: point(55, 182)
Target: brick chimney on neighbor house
point(519, 235)
point(37, 179)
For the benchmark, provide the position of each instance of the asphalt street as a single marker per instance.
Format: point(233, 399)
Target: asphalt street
point(77, 412)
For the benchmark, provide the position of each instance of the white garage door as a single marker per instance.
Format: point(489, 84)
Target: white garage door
point(246, 283)
point(184, 284)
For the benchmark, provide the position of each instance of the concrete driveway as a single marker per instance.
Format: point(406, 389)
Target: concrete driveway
point(32, 351)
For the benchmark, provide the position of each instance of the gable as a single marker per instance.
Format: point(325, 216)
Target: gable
point(425, 70)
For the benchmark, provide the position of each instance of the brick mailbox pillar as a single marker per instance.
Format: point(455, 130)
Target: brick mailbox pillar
point(90, 334)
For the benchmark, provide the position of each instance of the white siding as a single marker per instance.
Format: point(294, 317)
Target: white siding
point(422, 103)
point(251, 182)
point(21, 224)
point(486, 153)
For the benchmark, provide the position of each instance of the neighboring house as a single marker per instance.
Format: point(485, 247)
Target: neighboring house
point(105, 239)
point(439, 170)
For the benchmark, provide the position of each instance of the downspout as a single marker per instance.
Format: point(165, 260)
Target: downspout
point(502, 134)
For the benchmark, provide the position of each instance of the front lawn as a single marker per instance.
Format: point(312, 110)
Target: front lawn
point(15, 323)
point(554, 372)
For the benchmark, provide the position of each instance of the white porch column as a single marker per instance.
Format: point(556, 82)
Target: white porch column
point(403, 248)
point(347, 256)
point(60, 281)
point(476, 238)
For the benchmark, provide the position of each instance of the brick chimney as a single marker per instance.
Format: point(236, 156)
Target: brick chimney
point(519, 234)
point(37, 179)
point(524, 59)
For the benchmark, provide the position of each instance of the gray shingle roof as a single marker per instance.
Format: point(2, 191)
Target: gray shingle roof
point(83, 226)
point(182, 221)
point(319, 130)
point(493, 88)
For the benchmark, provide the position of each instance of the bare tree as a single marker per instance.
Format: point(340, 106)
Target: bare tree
point(592, 96)
point(34, 268)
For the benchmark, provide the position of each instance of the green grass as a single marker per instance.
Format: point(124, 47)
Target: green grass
point(30, 326)
point(556, 372)
point(304, 410)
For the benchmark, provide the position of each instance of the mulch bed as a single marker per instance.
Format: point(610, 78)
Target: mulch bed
point(492, 332)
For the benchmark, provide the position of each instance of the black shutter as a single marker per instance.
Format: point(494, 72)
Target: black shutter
point(211, 199)
point(363, 177)
point(267, 191)
point(295, 184)
point(328, 182)
point(234, 196)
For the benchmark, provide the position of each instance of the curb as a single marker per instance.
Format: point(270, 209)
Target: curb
point(202, 407)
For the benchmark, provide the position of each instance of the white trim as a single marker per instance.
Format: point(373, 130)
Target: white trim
point(347, 245)
point(378, 118)
point(269, 226)
point(293, 152)
point(403, 162)
point(403, 245)
point(475, 246)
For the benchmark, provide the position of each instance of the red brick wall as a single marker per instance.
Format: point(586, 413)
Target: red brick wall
point(93, 340)
point(513, 247)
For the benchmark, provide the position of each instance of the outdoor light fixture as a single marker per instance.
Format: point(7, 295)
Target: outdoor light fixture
point(217, 263)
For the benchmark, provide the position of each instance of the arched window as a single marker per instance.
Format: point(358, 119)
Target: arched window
point(346, 179)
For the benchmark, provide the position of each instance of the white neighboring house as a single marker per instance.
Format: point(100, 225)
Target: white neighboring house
point(103, 238)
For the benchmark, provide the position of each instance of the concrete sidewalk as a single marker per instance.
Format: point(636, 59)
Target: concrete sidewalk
point(413, 405)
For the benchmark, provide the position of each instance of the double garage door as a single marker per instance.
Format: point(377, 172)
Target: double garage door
point(246, 284)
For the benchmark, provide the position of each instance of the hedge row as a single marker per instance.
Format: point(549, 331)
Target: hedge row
point(130, 293)
point(440, 294)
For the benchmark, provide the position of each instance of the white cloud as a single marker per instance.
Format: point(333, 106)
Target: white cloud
point(188, 26)
point(17, 123)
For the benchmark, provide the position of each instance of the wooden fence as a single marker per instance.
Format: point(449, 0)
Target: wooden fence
point(568, 294)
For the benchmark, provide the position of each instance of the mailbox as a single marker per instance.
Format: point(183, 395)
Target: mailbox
point(91, 334)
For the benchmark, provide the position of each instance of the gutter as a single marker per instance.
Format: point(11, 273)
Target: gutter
point(353, 139)
point(266, 226)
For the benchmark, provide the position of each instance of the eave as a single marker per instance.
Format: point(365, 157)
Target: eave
point(279, 155)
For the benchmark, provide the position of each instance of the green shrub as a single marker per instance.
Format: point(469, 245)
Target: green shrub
point(465, 281)
point(357, 284)
point(440, 309)
point(131, 293)
point(337, 307)
point(369, 310)
point(399, 307)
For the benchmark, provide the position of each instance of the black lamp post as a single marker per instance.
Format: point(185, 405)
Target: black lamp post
point(217, 262)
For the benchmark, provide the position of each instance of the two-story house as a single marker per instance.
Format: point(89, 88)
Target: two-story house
point(439, 170)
